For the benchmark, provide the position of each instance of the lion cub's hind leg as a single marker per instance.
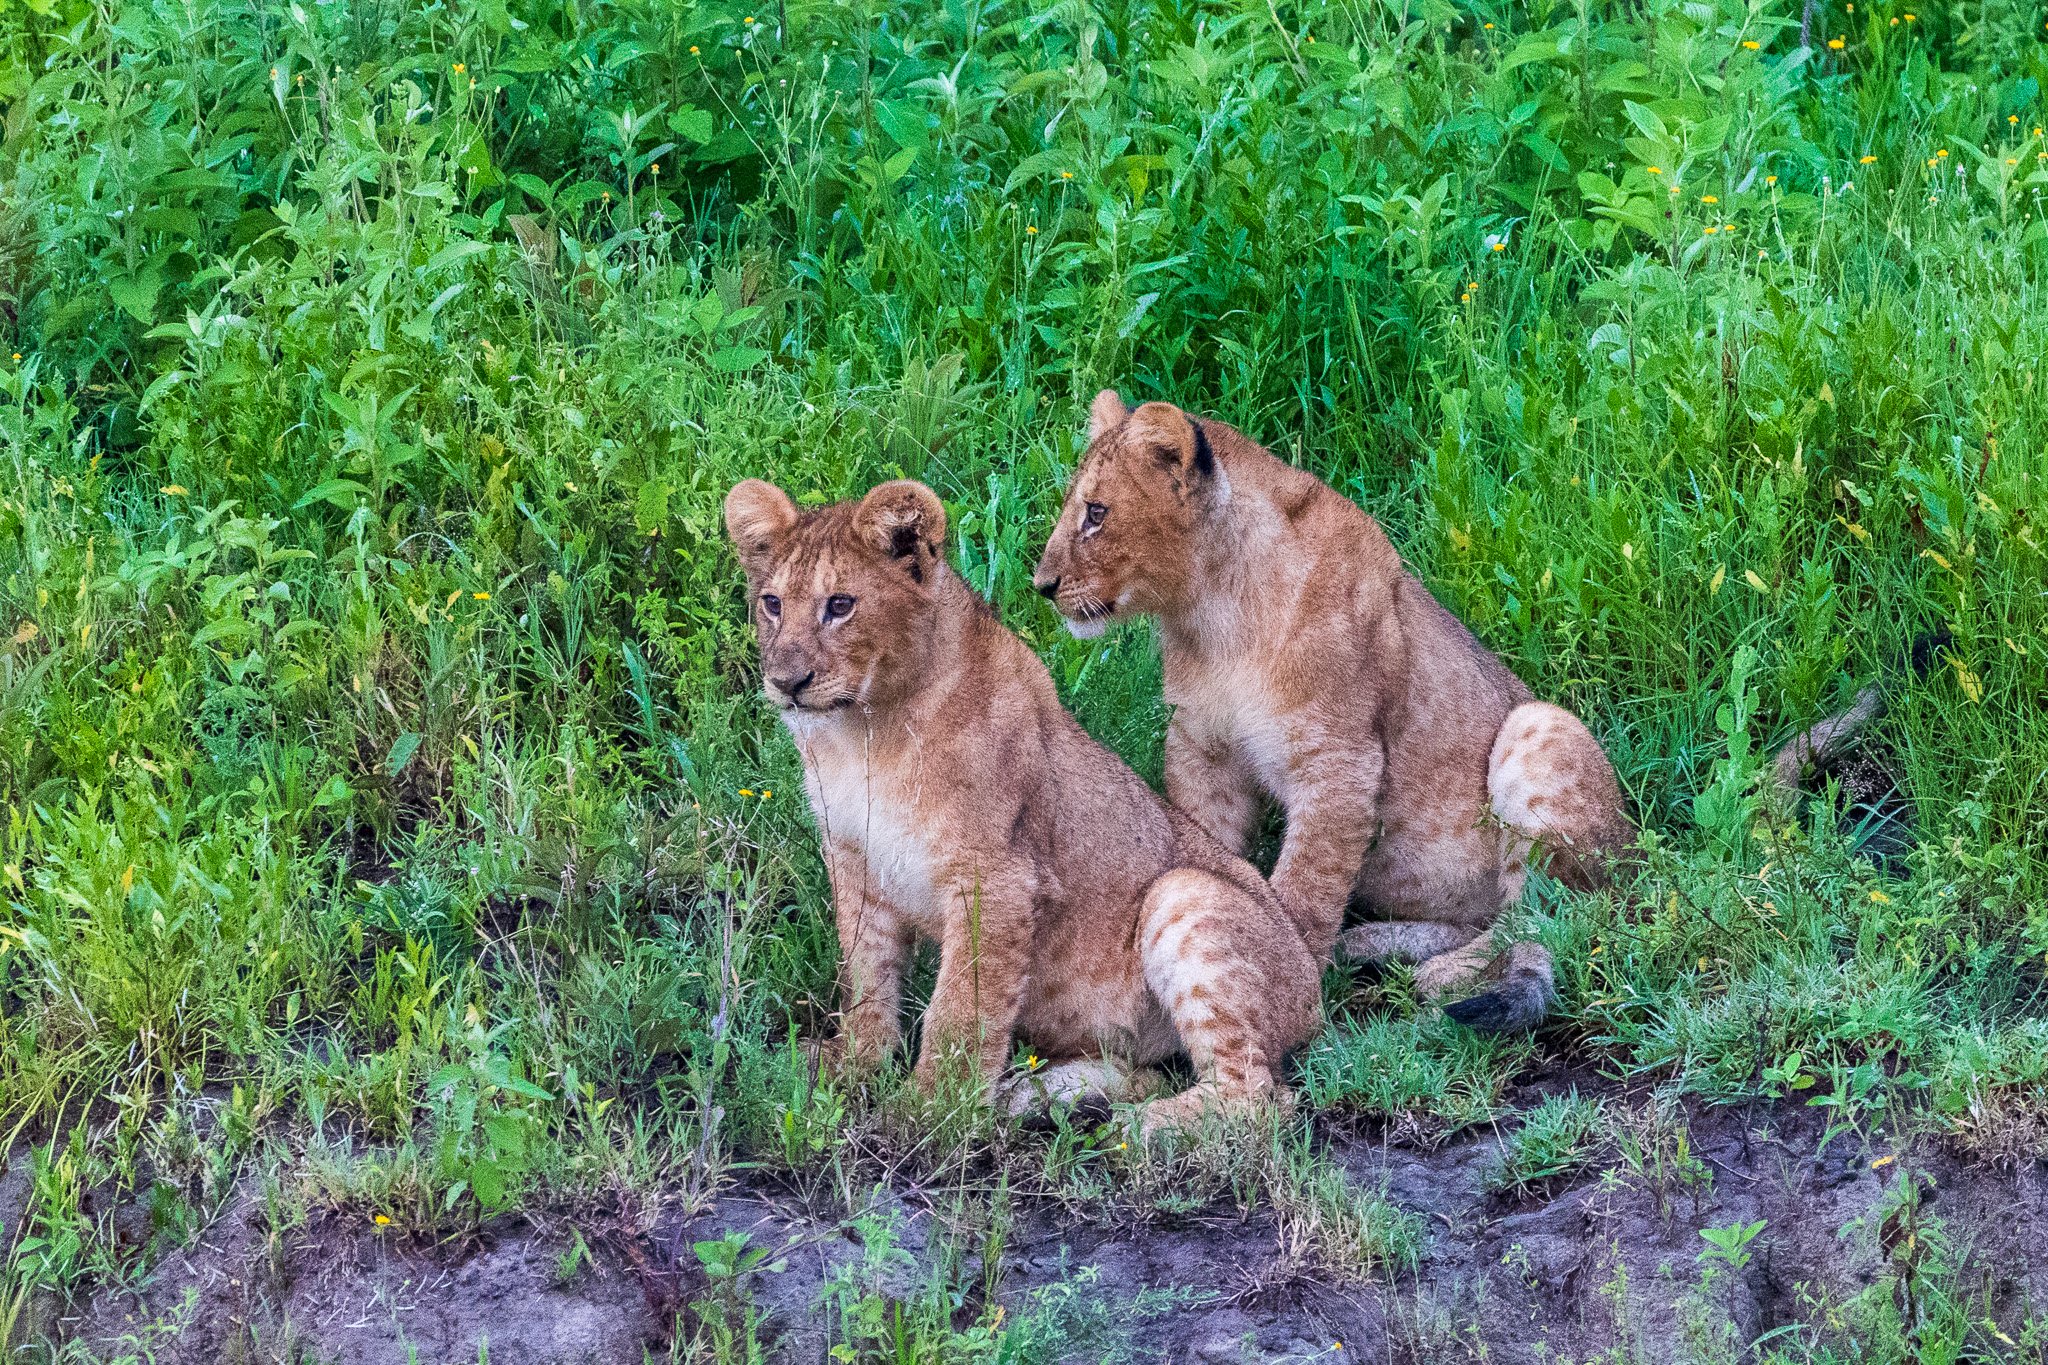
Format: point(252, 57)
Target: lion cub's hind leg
point(1394, 940)
point(1451, 957)
point(1237, 982)
point(1083, 1080)
point(1553, 790)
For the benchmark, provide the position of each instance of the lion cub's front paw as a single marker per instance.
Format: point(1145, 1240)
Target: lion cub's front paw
point(839, 1059)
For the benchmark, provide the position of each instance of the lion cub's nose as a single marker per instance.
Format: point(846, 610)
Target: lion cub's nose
point(790, 685)
point(1048, 588)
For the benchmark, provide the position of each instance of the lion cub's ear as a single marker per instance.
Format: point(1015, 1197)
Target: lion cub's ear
point(1176, 438)
point(757, 515)
point(904, 520)
point(1105, 414)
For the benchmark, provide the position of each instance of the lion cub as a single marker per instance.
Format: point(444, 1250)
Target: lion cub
point(956, 800)
point(1305, 663)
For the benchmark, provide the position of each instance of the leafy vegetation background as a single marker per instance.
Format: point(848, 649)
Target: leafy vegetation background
point(378, 737)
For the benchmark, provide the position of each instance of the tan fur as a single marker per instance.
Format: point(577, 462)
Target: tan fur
point(956, 800)
point(1306, 664)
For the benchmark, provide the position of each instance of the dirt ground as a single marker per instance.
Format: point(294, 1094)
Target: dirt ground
point(1604, 1262)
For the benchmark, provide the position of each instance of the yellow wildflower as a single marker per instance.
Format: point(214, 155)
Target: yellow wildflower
point(693, 49)
point(1500, 246)
point(746, 791)
point(1770, 180)
point(1836, 44)
point(1031, 228)
point(1655, 171)
point(481, 596)
point(1865, 160)
point(459, 68)
point(382, 1220)
point(1941, 151)
point(1752, 44)
point(172, 490)
point(1709, 199)
point(1881, 898)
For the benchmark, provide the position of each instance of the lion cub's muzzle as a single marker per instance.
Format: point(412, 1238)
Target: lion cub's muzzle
point(801, 689)
point(1086, 615)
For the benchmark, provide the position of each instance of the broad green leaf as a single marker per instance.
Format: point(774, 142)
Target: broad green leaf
point(402, 750)
point(343, 493)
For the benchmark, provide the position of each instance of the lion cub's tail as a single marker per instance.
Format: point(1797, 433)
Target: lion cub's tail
point(1522, 1000)
point(1820, 744)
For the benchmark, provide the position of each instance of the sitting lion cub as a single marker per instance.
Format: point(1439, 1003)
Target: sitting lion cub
point(1306, 663)
point(956, 800)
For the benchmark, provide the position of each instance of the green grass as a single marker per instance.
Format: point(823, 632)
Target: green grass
point(1556, 1137)
point(377, 731)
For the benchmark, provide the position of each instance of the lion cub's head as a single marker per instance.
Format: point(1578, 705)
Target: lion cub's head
point(1126, 538)
point(842, 596)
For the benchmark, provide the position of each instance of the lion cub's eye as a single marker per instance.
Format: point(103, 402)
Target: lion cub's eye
point(838, 607)
point(1096, 512)
point(771, 603)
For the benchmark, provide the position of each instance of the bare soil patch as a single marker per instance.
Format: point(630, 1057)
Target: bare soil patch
point(1603, 1260)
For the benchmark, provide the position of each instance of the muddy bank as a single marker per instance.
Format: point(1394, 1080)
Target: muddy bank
point(1604, 1260)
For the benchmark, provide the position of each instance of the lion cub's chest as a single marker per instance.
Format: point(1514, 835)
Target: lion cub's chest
point(880, 811)
point(1229, 706)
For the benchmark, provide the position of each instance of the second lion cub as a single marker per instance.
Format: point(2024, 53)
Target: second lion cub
point(1306, 663)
